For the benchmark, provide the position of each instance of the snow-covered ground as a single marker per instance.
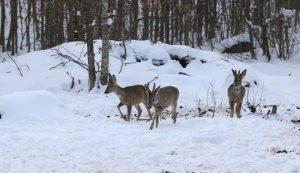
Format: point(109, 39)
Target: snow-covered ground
point(48, 127)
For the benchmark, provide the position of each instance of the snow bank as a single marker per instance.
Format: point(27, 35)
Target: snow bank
point(39, 105)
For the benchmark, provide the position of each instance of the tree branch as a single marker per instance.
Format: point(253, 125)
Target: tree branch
point(16, 65)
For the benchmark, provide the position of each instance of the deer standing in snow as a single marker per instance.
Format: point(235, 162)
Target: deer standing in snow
point(160, 99)
point(129, 96)
point(236, 93)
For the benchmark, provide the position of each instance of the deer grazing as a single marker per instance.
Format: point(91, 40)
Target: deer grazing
point(236, 93)
point(161, 98)
point(129, 96)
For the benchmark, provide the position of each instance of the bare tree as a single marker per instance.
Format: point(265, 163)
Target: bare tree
point(89, 39)
point(12, 41)
point(2, 36)
point(105, 43)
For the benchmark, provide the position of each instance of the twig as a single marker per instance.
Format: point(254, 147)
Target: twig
point(15, 64)
point(72, 80)
point(81, 64)
point(121, 68)
point(213, 97)
point(125, 51)
point(261, 95)
point(62, 63)
point(182, 73)
point(78, 58)
point(155, 78)
point(130, 63)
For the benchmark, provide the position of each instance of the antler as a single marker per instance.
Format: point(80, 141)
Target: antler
point(153, 87)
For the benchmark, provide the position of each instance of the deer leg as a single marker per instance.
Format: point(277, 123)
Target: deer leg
point(159, 110)
point(155, 117)
point(152, 124)
point(129, 107)
point(231, 103)
point(138, 108)
point(174, 115)
point(149, 112)
point(119, 109)
point(238, 109)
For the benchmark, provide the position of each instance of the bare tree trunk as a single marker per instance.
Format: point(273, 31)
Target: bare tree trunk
point(166, 11)
point(248, 18)
point(2, 36)
point(162, 21)
point(28, 18)
point(15, 26)
point(105, 44)
point(199, 22)
point(134, 22)
point(35, 19)
point(176, 21)
point(43, 25)
point(21, 20)
point(156, 27)
point(146, 20)
point(120, 25)
point(11, 42)
point(172, 7)
point(89, 39)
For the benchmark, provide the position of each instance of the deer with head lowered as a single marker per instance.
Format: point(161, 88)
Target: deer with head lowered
point(236, 93)
point(160, 99)
point(129, 96)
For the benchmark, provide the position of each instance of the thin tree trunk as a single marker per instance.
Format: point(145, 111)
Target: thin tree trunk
point(156, 27)
point(167, 21)
point(146, 20)
point(2, 40)
point(105, 44)
point(28, 18)
point(134, 23)
point(162, 21)
point(90, 47)
point(21, 20)
point(42, 25)
point(35, 19)
point(120, 21)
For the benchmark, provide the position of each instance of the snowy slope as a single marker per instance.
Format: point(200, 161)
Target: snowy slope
point(47, 127)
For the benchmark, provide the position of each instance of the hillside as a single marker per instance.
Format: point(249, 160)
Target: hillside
point(48, 127)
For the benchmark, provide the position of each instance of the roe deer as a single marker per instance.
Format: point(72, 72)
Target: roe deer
point(129, 96)
point(236, 93)
point(161, 98)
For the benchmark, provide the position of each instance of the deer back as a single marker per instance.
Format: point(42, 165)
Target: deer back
point(133, 95)
point(166, 96)
point(130, 95)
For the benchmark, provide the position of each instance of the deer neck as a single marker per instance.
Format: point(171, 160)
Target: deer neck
point(157, 98)
point(119, 91)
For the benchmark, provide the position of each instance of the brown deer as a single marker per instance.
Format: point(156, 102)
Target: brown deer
point(236, 93)
point(160, 99)
point(129, 96)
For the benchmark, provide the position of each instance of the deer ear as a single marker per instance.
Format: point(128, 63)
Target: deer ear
point(146, 87)
point(114, 78)
point(109, 76)
point(156, 90)
point(234, 72)
point(243, 74)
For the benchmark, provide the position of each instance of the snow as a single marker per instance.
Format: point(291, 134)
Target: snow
point(287, 13)
point(48, 127)
point(109, 21)
point(20, 105)
point(233, 40)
